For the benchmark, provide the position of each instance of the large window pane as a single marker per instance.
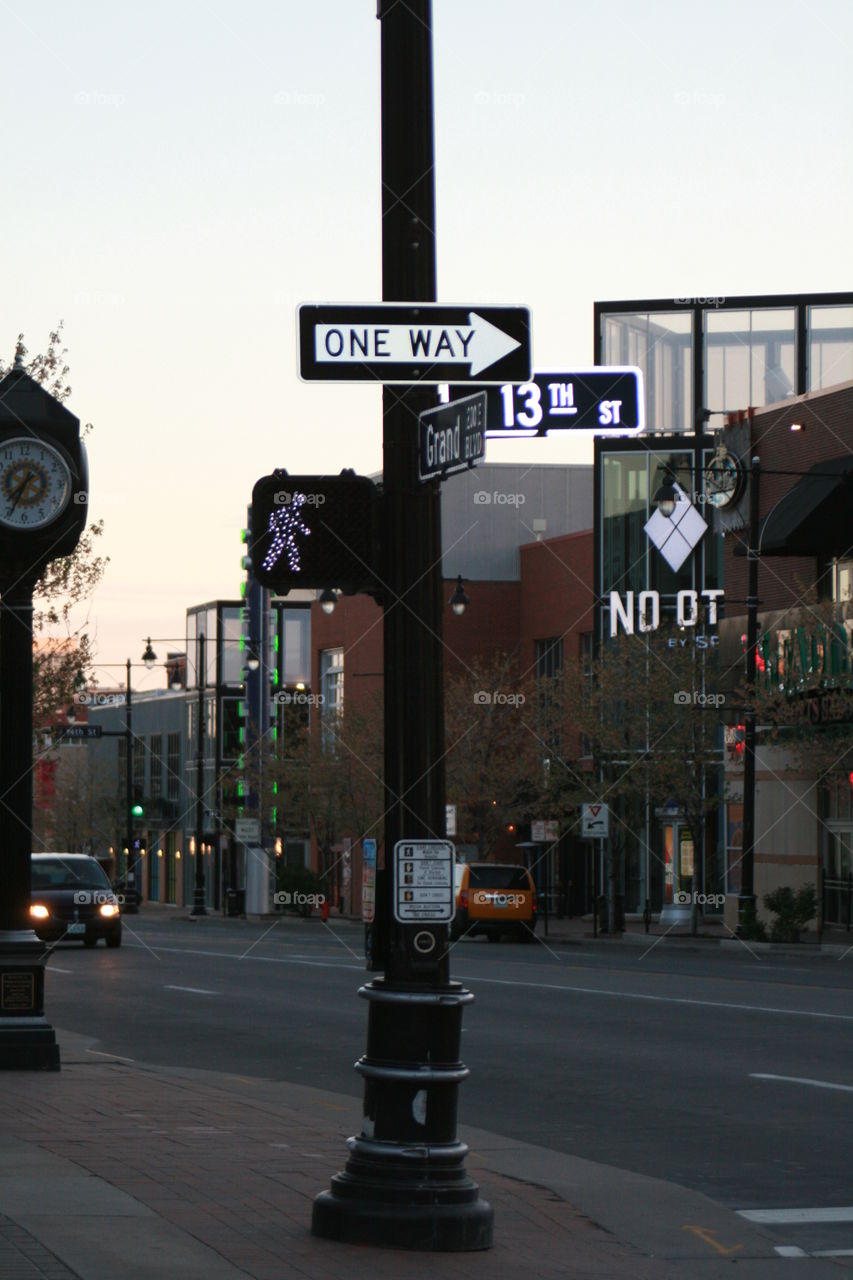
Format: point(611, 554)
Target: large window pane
point(296, 628)
point(232, 654)
point(750, 359)
point(660, 345)
point(830, 353)
point(625, 505)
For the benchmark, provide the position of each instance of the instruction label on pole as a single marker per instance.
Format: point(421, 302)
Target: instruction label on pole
point(423, 882)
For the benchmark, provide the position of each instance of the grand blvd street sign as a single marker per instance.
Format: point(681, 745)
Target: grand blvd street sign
point(413, 342)
point(608, 401)
point(452, 437)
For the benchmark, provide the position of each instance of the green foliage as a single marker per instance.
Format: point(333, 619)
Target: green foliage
point(794, 910)
point(751, 928)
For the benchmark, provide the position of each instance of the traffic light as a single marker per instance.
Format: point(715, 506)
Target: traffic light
point(316, 531)
point(137, 809)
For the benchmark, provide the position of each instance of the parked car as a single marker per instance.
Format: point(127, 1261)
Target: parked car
point(495, 898)
point(72, 900)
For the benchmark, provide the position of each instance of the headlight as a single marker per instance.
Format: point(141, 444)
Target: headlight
point(109, 909)
point(39, 911)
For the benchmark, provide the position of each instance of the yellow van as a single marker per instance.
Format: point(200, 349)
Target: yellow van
point(495, 898)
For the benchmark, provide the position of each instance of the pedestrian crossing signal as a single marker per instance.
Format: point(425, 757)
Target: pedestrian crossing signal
point(315, 531)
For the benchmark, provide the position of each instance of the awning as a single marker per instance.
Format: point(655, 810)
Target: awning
point(815, 517)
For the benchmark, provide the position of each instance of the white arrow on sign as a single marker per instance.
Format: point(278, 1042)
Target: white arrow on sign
point(478, 344)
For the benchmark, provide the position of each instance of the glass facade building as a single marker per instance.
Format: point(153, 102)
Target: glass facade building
point(701, 358)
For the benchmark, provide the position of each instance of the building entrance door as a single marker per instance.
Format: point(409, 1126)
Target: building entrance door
point(679, 871)
point(837, 873)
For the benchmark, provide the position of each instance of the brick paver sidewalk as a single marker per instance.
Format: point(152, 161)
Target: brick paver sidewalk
point(235, 1163)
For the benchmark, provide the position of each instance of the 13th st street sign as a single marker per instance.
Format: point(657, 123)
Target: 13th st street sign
point(608, 400)
point(413, 342)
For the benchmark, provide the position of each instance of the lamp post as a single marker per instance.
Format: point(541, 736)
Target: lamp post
point(130, 862)
point(746, 898)
point(199, 908)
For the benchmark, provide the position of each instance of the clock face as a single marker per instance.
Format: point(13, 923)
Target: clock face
point(722, 480)
point(35, 483)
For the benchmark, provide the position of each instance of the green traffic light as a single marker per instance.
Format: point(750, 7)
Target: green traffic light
point(137, 811)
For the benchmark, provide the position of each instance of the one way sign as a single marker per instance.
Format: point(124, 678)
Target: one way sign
point(413, 342)
point(595, 821)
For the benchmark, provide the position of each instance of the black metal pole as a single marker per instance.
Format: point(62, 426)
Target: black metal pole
point(405, 1183)
point(128, 778)
point(27, 1042)
point(198, 890)
point(746, 900)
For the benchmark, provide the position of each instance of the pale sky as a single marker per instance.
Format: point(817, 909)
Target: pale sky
point(179, 176)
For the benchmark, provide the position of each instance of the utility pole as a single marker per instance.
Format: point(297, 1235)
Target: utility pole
point(746, 900)
point(405, 1183)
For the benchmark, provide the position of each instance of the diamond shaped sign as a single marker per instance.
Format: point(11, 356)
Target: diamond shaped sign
point(676, 536)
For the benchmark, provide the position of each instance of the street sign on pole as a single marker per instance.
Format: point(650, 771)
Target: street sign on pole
point(424, 890)
point(247, 831)
point(595, 821)
point(607, 401)
point(452, 437)
point(77, 732)
point(410, 343)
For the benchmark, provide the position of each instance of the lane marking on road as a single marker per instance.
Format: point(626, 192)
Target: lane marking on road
point(227, 955)
point(196, 991)
point(116, 1056)
point(789, 1251)
point(636, 995)
point(508, 982)
point(704, 1233)
point(833, 1253)
point(816, 1084)
point(54, 968)
point(779, 1217)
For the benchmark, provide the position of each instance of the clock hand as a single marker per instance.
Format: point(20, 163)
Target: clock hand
point(19, 492)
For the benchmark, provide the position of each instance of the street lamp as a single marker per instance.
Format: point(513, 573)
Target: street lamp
point(666, 497)
point(459, 601)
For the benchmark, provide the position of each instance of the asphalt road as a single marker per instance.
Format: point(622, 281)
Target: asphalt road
point(717, 1070)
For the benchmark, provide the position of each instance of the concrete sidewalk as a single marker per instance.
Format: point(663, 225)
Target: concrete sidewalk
point(111, 1167)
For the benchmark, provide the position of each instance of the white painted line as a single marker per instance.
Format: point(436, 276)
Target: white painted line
point(771, 1217)
point(834, 1253)
point(790, 1251)
point(116, 1056)
point(196, 991)
point(54, 968)
point(816, 1084)
point(506, 982)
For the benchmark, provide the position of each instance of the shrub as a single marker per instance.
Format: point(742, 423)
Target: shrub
point(793, 911)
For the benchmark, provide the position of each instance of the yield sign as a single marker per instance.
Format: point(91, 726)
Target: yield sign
point(413, 342)
point(595, 821)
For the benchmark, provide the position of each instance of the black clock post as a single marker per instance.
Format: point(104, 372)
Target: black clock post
point(43, 506)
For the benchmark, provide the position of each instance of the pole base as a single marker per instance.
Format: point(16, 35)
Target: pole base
point(405, 1184)
point(27, 1041)
point(347, 1214)
point(199, 909)
point(28, 1049)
